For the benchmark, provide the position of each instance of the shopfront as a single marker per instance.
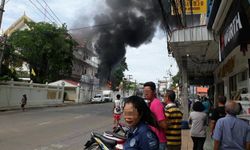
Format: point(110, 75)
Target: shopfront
point(233, 73)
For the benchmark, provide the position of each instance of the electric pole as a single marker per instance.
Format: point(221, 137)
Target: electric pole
point(3, 37)
point(1, 11)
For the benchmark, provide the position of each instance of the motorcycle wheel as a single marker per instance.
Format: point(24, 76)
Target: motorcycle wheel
point(94, 146)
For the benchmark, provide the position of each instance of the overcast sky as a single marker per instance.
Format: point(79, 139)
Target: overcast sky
point(148, 62)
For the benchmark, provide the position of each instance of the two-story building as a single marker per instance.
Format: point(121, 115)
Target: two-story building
point(85, 61)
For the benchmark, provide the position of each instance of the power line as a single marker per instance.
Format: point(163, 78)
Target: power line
point(47, 11)
point(34, 10)
point(94, 26)
point(40, 11)
point(52, 11)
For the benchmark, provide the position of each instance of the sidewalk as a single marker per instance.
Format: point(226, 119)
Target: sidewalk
point(31, 107)
point(187, 143)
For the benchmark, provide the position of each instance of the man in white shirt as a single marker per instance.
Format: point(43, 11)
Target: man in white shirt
point(117, 110)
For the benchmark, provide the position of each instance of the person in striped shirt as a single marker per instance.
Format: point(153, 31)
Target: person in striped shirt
point(174, 118)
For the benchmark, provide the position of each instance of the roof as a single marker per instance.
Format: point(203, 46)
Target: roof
point(195, 50)
point(67, 83)
point(20, 23)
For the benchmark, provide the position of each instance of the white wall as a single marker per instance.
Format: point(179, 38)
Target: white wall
point(37, 94)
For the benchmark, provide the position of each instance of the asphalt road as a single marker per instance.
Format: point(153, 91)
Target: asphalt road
point(53, 128)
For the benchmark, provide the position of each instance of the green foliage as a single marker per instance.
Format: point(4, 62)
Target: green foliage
point(47, 49)
point(8, 74)
point(176, 79)
point(10, 60)
point(118, 73)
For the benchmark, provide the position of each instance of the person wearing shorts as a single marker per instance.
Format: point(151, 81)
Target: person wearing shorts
point(117, 111)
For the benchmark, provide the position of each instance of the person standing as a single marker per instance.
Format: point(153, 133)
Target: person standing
point(231, 133)
point(157, 108)
point(198, 120)
point(117, 110)
point(138, 117)
point(23, 102)
point(206, 105)
point(174, 115)
point(217, 113)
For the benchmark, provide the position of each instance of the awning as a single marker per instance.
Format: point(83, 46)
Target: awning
point(196, 50)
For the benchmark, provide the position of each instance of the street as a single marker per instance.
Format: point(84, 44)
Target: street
point(53, 128)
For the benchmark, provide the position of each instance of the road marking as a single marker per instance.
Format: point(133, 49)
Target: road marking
point(77, 117)
point(44, 123)
point(82, 116)
point(58, 146)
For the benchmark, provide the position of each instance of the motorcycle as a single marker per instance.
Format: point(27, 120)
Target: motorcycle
point(109, 140)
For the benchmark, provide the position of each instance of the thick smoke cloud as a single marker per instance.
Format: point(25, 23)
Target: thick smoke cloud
point(128, 23)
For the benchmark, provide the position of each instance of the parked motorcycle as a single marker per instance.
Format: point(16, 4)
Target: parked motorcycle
point(121, 129)
point(108, 140)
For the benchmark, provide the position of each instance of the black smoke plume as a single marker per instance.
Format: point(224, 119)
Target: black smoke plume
point(127, 23)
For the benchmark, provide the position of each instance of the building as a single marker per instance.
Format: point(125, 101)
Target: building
point(191, 44)
point(214, 54)
point(18, 25)
point(230, 21)
point(85, 62)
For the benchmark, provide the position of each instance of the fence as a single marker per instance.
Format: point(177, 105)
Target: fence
point(37, 94)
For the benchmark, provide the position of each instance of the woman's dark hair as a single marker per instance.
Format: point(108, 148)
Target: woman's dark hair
point(143, 110)
point(198, 106)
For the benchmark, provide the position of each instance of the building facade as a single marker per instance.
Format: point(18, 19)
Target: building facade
point(231, 25)
point(85, 62)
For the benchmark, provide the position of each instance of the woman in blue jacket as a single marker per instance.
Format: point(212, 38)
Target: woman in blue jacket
point(138, 117)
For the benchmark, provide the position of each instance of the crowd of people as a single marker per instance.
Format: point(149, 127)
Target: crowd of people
point(157, 125)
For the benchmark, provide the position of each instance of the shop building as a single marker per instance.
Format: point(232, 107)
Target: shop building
point(231, 25)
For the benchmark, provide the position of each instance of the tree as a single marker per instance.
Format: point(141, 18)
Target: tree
point(176, 80)
point(10, 60)
point(118, 73)
point(47, 49)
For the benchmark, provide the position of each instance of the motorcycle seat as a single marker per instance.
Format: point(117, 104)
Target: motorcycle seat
point(116, 135)
point(108, 142)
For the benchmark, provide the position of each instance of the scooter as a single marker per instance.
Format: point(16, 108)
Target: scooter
point(108, 140)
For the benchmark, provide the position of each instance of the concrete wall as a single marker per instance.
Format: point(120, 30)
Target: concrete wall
point(37, 94)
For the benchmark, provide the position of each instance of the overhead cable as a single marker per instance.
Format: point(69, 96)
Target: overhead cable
point(47, 11)
point(52, 12)
point(40, 10)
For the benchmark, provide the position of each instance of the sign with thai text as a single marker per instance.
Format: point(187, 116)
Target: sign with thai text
point(235, 30)
point(196, 7)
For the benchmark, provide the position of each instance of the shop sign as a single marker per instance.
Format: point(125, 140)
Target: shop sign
point(232, 29)
point(235, 30)
point(198, 7)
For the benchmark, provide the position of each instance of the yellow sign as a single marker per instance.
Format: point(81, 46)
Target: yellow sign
point(198, 7)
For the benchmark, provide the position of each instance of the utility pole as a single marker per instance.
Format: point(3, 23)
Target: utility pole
point(1, 12)
point(3, 37)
